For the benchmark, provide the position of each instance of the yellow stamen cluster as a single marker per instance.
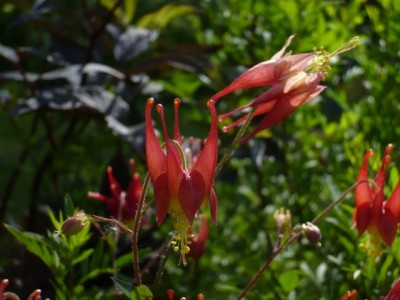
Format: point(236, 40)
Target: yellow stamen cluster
point(372, 246)
point(320, 62)
point(321, 58)
point(181, 239)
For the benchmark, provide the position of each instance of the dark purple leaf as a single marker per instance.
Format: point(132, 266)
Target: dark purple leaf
point(72, 73)
point(133, 42)
point(94, 98)
point(9, 54)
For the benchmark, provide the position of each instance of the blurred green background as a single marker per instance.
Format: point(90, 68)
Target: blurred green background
point(74, 78)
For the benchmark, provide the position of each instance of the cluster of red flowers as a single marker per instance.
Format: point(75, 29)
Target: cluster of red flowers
point(372, 212)
point(183, 176)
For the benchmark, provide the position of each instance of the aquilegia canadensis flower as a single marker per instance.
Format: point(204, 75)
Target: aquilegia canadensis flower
point(294, 80)
point(181, 186)
point(372, 212)
point(121, 204)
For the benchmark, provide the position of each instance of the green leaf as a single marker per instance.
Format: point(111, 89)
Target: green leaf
point(164, 15)
point(69, 208)
point(124, 13)
point(123, 260)
point(123, 285)
point(94, 273)
point(37, 245)
point(129, 11)
point(289, 280)
point(141, 292)
point(84, 255)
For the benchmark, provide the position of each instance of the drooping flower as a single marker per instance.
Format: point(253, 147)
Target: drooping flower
point(294, 80)
point(181, 186)
point(372, 212)
point(121, 204)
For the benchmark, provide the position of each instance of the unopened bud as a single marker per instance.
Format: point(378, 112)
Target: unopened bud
point(170, 294)
point(312, 233)
point(283, 220)
point(75, 224)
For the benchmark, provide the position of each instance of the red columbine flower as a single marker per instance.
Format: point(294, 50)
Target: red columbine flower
point(121, 204)
point(372, 212)
point(181, 186)
point(294, 80)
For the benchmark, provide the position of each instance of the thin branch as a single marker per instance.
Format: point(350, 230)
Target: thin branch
point(294, 237)
point(234, 143)
point(115, 222)
point(95, 35)
point(135, 233)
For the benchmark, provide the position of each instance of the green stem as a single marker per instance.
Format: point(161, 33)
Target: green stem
point(235, 142)
point(295, 235)
point(135, 230)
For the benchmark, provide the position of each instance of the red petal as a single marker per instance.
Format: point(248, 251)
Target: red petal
point(281, 52)
point(162, 197)
point(207, 160)
point(259, 75)
point(266, 73)
point(362, 217)
point(192, 191)
point(114, 185)
point(135, 186)
point(174, 167)
point(281, 110)
point(363, 197)
point(213, 205)
point(394, 293)
point(97, 196)
point(381, 176)
point(387, 227)
point(363, 193)
point(155, 156)
point(393, 204)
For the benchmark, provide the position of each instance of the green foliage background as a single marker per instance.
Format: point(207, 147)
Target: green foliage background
point(302, 164)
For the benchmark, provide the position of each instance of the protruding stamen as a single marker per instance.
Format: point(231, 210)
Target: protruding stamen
point(177, 135)
point(181, 238)
point(354, 42)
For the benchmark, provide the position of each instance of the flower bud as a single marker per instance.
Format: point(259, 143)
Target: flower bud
point(73, 225)
point(283, 220)
point(312, 233)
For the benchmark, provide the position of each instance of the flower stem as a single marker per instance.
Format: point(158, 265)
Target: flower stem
point(113, 221)
point(295, 235)
point(135, 230)
point(235, 141)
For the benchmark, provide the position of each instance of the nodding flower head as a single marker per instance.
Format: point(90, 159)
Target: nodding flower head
point(293, 80)
point(181, 185)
